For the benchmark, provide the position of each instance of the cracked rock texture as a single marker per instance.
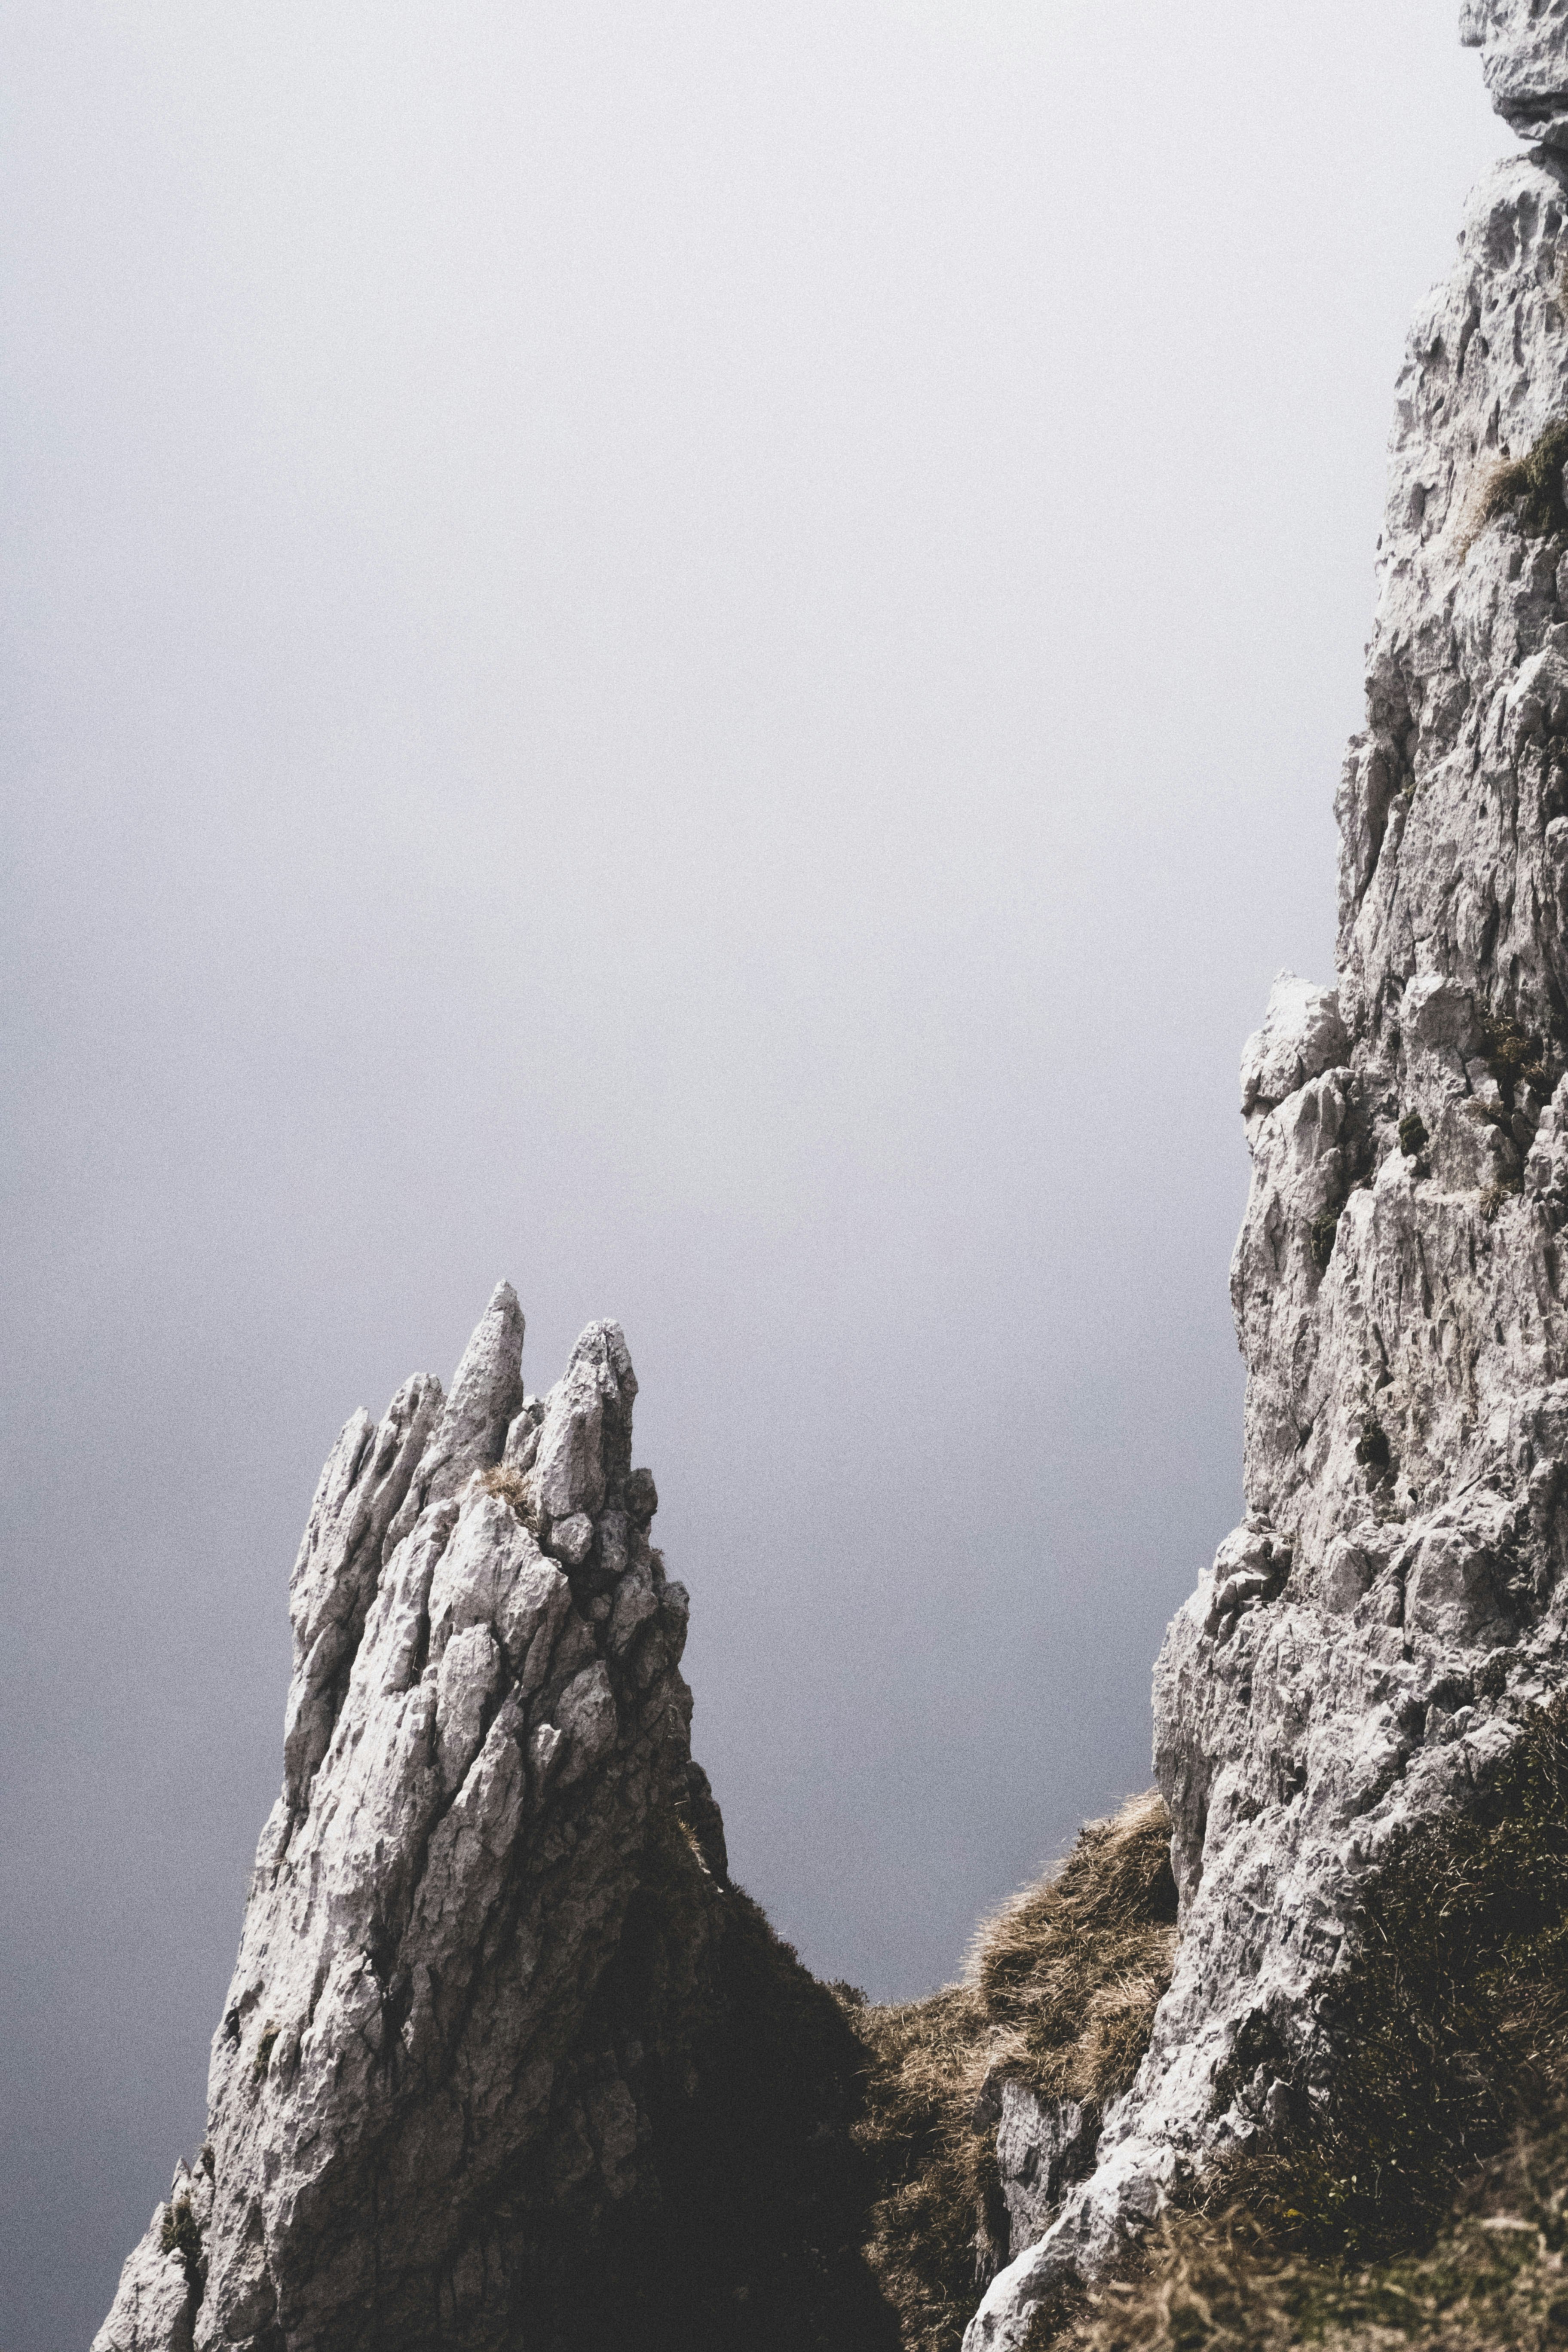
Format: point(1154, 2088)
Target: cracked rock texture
point(1522, 44)
point(491, 2006)
point(1361, 1651)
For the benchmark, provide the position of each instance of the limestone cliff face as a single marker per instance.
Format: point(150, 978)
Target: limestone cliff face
point(494, 1991)
point(1360, 1654)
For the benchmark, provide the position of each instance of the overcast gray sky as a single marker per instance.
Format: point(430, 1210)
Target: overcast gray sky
point(695, 653)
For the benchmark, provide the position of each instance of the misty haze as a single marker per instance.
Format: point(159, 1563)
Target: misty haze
point(694, 659)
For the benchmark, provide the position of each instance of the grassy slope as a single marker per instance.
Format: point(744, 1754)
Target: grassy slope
point(1419, 2196)
point(1061, 1991)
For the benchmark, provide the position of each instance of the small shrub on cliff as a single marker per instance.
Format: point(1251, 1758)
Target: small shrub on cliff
point(1372, 1448)
point(1320, 1237)
point(1061, 1991)
point(1516, 1057)
point(1490, 1200)
point(181, 2235)
point(1532, 484)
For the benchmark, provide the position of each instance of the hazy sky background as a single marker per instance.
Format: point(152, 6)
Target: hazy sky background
point(695, 653)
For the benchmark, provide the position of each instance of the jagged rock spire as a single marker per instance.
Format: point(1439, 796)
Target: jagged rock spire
point(418, 2096)
point(507, 2059)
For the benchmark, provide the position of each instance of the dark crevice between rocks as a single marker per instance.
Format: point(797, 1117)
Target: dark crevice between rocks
point(743, 2230)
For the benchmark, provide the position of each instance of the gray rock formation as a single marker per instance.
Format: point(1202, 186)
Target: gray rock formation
point(1523, 58)
point(506, 2061)
point(494, 1990)
point(1043, 2147)
point(1360, 1653)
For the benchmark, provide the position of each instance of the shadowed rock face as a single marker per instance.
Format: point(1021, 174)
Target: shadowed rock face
point(1359, 1656)
point(499, 2020)
point(1523, 45)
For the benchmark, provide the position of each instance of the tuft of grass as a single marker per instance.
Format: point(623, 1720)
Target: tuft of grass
point(515, 1488)
point(181, 2235)
point(1060, 1993)
point(1207, 2284)
point(1494, 1195)
point(1517, 1058)
point(935, 2229)
point(1077, 1965)
point(1532, 484)
point(1320, 1237)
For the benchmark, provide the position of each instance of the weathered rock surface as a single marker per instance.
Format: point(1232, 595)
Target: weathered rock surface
point(160, 2286)
point(497, 2014)
point(1043, 2147)
point(1361, 1651)
point(1522, 43)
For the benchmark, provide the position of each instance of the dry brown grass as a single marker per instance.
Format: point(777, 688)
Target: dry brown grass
point(1493, 2282)
point(1061, 1991)
point(1420, 2196)
point(936, 2172)
point(514, 1487)
point(1076, 1965)
point(1532, 484)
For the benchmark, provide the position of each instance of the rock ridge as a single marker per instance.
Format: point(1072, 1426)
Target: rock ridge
point(1366, 1646)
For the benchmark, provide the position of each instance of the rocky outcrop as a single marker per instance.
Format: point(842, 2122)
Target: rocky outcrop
point(1043, 2146)
point(499, 2025)
point(1362, 1654)
point(1524, 45)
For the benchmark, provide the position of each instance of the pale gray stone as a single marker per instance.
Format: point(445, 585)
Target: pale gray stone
point(1042, 2147)
point(1524, 55)
point(486, 1713)
point(411, 2081)
point(155, 2305)
point(1301, 1037)
point(1361, 1655)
